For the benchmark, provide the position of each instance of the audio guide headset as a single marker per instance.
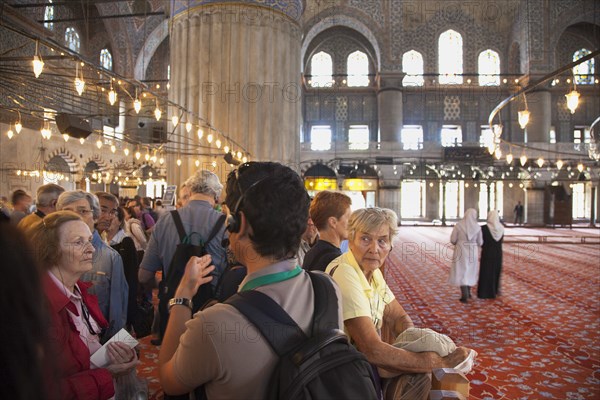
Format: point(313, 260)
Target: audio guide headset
point(233, 222)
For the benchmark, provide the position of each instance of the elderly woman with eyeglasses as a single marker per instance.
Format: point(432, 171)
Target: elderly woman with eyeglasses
point(63, 246)
point(107, 274)
point(368, 302)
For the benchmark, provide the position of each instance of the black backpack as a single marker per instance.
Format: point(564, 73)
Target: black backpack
point(169, 283)
point(322, 366)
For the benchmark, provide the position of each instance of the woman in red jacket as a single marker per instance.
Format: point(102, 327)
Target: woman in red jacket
point(63, 246)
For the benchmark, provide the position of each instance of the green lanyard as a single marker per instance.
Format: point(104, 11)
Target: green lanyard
point(271, 278)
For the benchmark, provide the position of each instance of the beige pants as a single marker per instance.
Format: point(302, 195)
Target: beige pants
point(407, 387)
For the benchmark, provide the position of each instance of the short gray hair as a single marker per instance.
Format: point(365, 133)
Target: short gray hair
point(47, 193)
point(370, 219)
point(205, 182)
point(75, 195)
point(108, 196)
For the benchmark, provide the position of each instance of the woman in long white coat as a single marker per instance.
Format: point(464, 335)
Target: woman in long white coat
point(466, 238)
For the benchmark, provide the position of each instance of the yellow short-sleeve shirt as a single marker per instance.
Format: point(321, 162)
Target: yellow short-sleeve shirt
point(360, 298)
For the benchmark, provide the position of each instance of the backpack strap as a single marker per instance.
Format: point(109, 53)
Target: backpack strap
point(178, 225)
point(216, 228)
point(326, 303)
point(274, 324)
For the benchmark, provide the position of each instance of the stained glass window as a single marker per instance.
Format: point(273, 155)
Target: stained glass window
point(358, 69)
point(321, 69)
point(72, 39)
point(358, 137)
point(450, 58)
point(320, 137)
point(584, 72)
point(412, 66)
point(48, 15)
point(106, 60)
point(489, 68)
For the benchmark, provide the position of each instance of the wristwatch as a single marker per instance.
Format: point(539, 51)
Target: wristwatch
point(180, 301)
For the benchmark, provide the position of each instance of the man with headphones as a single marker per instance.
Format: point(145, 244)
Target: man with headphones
point(269, 213)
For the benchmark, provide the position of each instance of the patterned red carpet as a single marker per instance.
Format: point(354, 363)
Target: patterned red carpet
point(539, 340)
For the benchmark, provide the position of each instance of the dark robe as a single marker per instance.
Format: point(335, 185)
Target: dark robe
point(491, 266)
point(320, 255)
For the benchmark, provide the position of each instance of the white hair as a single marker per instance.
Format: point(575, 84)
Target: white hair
point(205, 182)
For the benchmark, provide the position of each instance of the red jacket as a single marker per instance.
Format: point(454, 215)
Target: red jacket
point(77, 380)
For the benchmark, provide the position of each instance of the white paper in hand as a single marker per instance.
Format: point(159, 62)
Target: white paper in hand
point(100, 358)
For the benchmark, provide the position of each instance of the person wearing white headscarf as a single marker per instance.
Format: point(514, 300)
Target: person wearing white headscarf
point(491, 257)
point(466, 238)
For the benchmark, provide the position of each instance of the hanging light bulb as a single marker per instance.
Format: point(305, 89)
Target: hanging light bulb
point(239, 154)
point(99, 143)
point(188, 126)
point(179, 162)
point(197, 162)
point(157, 112)
point(523, 160)
point(38, 63)
point(66, 137)
point(79, 82)
point(175, 120)
point(226, 149)
point(524, 114)
point(137, 105)
point(147, 156)
point(10, 133)
point(559, 164)
point(497, 130)
point(497, 153)
point(161, 160)
point(200, 134)
point(218, 143)
point(18, 127)
point(113, 148)
point(112, 95)
point(214, 164)
point(45, 131)
point(81, 140)
point(572, 100)
point(580, 167)
point(509, 158)
point(523, 118)
point(209, 138)
point(245, 159)
point(138, 154)
point(540, 162)
point(126, 151)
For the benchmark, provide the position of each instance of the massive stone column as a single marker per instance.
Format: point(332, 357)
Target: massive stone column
point(236, 65)
point(540, 118)
point(389, 105)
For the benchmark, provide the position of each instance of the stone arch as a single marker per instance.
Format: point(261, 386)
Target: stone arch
point(571, 17)
point(346, 21)
point(67, 157)
point(96, 159)
point(155, 39)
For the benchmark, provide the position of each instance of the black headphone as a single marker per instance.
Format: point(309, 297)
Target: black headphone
point(233, 221)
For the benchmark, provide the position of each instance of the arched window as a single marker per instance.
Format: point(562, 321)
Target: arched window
point(72, 39)
point(358, 69)
point(584, 72)
point(321, 69)
point(49, 15)
point(412, 66)
point(489, 68)
point(450, 58)
point(106, 60)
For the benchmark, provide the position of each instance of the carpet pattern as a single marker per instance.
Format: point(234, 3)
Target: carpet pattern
point(539, 340)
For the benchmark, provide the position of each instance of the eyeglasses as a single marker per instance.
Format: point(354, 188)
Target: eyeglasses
point(81, 211)
point(106, 210)
point(86, 318)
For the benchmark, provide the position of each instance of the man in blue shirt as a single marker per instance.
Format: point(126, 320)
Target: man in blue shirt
point(198, 216)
